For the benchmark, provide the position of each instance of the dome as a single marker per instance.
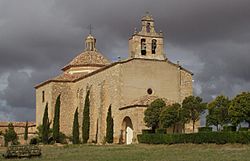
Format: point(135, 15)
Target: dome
point(88, 58)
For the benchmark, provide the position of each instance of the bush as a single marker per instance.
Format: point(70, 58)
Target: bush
point(160, 131)
point(34, 141)
point(205, 129)
point(147, 131)
point(196, 138)
point(62, 138)
point(229, 128)
point(243, 129)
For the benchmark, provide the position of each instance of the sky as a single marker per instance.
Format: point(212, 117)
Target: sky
point(38, 37)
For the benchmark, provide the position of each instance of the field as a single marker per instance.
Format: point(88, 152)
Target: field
point(142, 152)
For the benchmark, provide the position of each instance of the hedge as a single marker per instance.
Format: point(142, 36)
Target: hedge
point(229, 128)
point(196, 138)
point(205, 129)
point(161, 131)
point(244, 129)
point(147, 131)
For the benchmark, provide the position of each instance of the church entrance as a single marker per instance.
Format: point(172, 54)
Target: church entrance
point(127, 131)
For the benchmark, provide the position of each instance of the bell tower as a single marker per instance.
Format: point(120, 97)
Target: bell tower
point(147, 43)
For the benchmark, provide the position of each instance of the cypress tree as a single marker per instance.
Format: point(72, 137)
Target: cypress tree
point(56, 121)
point(86, 119)
point(75, 132)
point(45, 126)
point(26, 131)
point(109, 127)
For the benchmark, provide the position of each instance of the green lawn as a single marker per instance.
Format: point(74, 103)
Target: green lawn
point(142, 152)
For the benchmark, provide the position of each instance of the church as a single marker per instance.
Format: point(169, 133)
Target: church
point(129, 86)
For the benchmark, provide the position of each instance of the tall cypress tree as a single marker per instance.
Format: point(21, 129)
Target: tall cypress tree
point(56, 121)
point(86, 119)
point(75, 131)
point(45, 126)
point(26, 131)
point(109, 127)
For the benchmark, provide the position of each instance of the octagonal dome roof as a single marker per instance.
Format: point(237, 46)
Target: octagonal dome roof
point(88, 58)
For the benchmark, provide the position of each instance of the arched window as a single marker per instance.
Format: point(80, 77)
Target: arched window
point(148, 27)
point(154, 45)
point(143, 47)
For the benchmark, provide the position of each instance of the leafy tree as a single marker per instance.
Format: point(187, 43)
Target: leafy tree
point(183, 116)
point(169, 116)
point(218, 112)
point(75, 132)
point(86, 119)
point(45, 126)
point(10, 135)
point(239, 109)
point(26, 131)
point(110, 126)
point(152, 113)
point(195, 107)
point(56, 121)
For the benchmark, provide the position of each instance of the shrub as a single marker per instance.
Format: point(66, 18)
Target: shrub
point(34, 141)
point(62, 138)
point(229, 128)
point(160, 131)
point(243, 129)
point(205, 129)
point(147, 131)
point(196, 138)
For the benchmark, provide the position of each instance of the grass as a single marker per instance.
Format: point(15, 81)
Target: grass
point(142, 152)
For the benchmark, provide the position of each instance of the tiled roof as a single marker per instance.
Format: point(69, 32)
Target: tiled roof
point(71, 78)
point(146, 100)
point(88, 58)
point(68, 77)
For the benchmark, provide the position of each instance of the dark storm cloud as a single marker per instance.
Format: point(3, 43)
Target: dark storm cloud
point(37, 38)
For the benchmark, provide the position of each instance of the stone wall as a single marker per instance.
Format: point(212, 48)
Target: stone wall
point(139, 75)
point(19, 128)
point(40, 103)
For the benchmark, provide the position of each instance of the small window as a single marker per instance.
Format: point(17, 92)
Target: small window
point(143, 47)
point(148, 27)
point(154, 45)
point(43, 96)
point(149, 91)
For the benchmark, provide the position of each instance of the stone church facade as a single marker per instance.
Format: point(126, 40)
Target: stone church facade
point(129, 86)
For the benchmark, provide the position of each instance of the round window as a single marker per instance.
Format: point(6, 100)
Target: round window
point(150, 91)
